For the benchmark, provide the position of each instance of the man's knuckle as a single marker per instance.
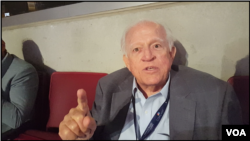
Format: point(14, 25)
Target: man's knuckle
point(72, 126)
point(78, 119)
point(71, 110)
point(65, 132)
point(61, 124)
point(66, 117)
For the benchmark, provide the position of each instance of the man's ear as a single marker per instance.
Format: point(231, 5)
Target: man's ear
point(126, 61)
point(173, 52)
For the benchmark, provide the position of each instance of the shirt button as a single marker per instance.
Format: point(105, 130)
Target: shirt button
point(146, 112)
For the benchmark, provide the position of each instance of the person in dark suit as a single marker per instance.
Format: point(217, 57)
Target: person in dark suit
point(19, 90)
point(151, 98)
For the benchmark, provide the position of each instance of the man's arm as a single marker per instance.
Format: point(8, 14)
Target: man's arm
point(96, 111)
point(23, 91)
point(231, 110)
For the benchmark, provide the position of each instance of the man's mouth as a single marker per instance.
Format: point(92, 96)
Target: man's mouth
point(151, 68)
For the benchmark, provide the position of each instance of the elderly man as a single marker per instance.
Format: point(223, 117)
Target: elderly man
point(19, 90)
point(148, 100)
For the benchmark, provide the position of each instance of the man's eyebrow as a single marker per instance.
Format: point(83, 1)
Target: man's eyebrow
point(152, 41)
point(135, 43)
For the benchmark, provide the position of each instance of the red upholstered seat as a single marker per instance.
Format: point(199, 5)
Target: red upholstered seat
point(27, 137)
point(63, 88)
point(62, 97)
point(241, 88)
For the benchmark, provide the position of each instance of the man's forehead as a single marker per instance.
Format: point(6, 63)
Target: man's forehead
point(145, 28)
point(151, 29)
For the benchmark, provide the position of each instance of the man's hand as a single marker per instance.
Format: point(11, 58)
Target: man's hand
point(78, 123)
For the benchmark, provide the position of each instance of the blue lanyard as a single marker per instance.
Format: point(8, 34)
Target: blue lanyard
point(154, 121)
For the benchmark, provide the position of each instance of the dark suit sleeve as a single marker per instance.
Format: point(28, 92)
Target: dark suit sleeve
point(23, 91)
point(96, 108)
point(96, 111)
point(231, 110)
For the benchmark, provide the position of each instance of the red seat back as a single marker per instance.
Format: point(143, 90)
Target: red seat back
point(63, 93)
point(241, 88)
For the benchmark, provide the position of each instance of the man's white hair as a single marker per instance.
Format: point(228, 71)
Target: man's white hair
point(169, 37)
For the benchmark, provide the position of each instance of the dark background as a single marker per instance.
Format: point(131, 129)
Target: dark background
point(15, 8)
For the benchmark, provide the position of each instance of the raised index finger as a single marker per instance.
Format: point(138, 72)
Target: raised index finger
point(82, 100)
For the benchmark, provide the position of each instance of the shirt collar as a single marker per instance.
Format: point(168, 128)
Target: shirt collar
point(164, 90)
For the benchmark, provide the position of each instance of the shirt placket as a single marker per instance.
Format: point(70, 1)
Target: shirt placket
point(145, 116)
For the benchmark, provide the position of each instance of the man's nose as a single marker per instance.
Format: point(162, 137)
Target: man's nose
point(148, 55)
